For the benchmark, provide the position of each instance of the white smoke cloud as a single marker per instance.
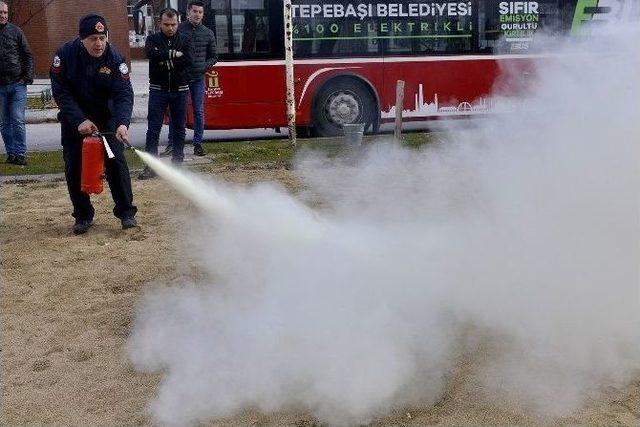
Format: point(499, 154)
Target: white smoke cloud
point(525, 227)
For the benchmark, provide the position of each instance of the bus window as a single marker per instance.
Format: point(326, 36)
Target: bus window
point(433, 35)
point(316, 35)
point(250, 22)
point(511, 26)
point(218, 18)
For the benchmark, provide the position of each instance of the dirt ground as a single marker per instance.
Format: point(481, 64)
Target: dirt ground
point(68, 303)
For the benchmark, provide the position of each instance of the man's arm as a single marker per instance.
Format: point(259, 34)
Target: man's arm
point(26, 58)
point(154, 51)
point(61, 90)
point(184, 60)
point(212, 51)
point(121, 93)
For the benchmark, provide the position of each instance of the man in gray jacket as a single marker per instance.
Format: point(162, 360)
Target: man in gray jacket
point(203, 52)
point(16, 72)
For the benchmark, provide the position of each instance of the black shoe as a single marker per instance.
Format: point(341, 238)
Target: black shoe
point(82, 226)
point(198, 150)
point(20, 161)
point(10, 159)
point(147, 173)
point(129, 223)
point(167, 151)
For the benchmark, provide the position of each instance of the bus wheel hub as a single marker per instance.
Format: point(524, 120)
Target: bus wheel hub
point(343, 108)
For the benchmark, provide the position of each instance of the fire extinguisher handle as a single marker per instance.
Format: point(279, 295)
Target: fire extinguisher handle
point(127, 144)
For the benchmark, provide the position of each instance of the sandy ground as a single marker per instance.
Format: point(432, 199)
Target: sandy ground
point(68, 303)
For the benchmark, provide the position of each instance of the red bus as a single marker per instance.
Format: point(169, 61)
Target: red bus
point(349, 55)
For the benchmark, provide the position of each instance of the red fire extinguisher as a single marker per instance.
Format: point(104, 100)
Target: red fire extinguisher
point(92, 165)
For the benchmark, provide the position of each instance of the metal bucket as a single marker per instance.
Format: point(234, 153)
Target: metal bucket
point(353, 134)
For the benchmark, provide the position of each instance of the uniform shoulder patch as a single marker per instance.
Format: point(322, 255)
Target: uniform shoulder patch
point(56, 64)
point(124, 70)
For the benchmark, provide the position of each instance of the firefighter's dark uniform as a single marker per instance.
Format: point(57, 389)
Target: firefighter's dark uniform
point(97, 89)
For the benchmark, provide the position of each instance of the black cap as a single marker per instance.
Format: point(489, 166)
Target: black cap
point(92, 24)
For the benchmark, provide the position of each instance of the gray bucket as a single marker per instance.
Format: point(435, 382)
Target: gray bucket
point(353, 134)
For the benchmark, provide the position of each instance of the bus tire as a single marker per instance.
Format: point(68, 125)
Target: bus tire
point(341, 101)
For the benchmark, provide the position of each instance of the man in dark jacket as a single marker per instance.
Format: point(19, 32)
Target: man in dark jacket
point(16, 72)
point(203, 48)
point(91, 84)
point(169, 56)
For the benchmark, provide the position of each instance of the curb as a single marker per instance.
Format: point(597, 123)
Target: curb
point(59, 177)
point(46, 117)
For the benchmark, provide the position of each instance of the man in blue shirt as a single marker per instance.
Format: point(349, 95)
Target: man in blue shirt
point(16, 72)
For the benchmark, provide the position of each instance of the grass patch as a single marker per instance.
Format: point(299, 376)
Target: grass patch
point(418, 139)
point(249, 152)
point(48, 162)
point(236, 152)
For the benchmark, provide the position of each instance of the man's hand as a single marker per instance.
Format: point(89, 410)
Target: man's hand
point(122, 133)
point(179, 54)
point(87, 127)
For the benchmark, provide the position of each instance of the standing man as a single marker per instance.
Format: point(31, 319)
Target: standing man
point(91, 85)
point(169, 56)
point(203, 48)
point(16, 72)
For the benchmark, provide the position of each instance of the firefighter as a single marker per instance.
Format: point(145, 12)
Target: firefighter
point(90, 83)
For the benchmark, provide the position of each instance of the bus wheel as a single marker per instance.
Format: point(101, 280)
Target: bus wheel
point(343, 101)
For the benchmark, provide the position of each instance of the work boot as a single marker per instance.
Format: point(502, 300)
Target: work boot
point(10, 159)
point(20, 161)
point(147, 173)
point(82, 226)
point(198, 150)
point(167, 151)
point(129, 223)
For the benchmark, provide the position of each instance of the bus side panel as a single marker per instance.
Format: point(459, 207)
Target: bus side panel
point(449, 87)
point(248, 96)
point(437, 88)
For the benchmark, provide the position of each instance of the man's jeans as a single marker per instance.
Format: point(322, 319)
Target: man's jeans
point(13, 101)
point(196, 89)
point(159, 100)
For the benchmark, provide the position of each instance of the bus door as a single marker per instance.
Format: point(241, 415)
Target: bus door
point(247, 85)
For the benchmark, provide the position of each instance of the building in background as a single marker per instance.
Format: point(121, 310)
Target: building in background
point(49, 23)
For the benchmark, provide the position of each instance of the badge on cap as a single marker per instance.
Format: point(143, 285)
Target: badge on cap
point(100, 27)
